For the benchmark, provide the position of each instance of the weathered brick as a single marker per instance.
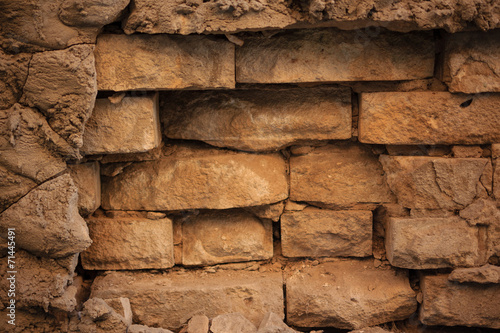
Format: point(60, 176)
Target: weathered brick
point(428, 118)
point(87, 179)
point(129, 126)
point(316, 232)
point(334, 55)
point(129, 243)
point(163, 62)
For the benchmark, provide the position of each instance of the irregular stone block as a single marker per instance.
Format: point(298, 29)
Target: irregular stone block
point(484, 274)
point(13, 74)
point(129, 243)
point(272, 323)
point(184, 294)
point(163, 62)
point(145, 329)
point(454, 304)
point(91, 13)
point(425, 117)
point(332, 55)
point(435, 182)
point(232, 322)
point(348, 294)
point(426, 243)
point(130, 126)
point(271, 212)
point(341, 175)
point(198, 324)
point(324, 233)
point(87, 179)
point(258, 120)
point(194, 178)
point(225, 236)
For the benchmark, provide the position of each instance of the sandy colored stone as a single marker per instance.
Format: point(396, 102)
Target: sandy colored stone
point(371, 330)
point(340, 174)
point(426, 243)
point(272, 323)
point(484, 274)
point(163, 62)
point(428, 118)
point(128, 243)
point(434, 182)
point(198, 324)
point(91, 13)
point(348, 294)
point(98, 316)
point(327, 55)
point(225, 236)
point(88, 180)
point(46, 220)
point(31, 320)
point(13, 74)
point(496, 177)
point(150, 155)
point(184, 294)
point(317, 232)
point(146, 329)
point(454, 304)
point(130, 126)
point(467, 151)
point(232, 322)
point(195, 178)
point(271, 212)
point(258, 120)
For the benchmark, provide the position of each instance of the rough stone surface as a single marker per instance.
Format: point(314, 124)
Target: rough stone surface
point(163, 62)
point(435, 182)
point(428, 118)
point(47, 221)
point(348, 294)
point(454, 304)
point(184, 294)
point(370, 330)
point(341, 175)
point(13, 74)
point(98, 316)
point(484, 274)
point(198, 324)
point(467, 151)
point(129, 243)
point(32, 320)
point(232, 322)
point(425, 243)
point(146, 329)
point(91, 13)
point(332, 55)
point(130, 126)
point(318, 232)
point(88, 180)
point(225, 236)
point(62, 84)
point(258, 120)
point(271, 212)
point(192, 178)
point(272, 323)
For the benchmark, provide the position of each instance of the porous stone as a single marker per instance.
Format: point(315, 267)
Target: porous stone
point(435, 182)
point(198, 324)
point(87, 179)
point(271, 212)
point(98, 316)
point(232, 322)
point(258, 120)
point(348, 294)
point(163, 62)
point(225, 236)
point(428, 117)
point(316, 232)
point(484, 274)
point(327, 55)
point(467, 151)
point(341, 175)
point(129, 243)
point(426, 243)
point(272, 323)
point(93, 13)
point(454, 304)
point(130, 126)
point(193, 178)
point(184, 294)
point(13, 74)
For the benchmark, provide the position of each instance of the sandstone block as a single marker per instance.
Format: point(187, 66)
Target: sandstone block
point(334, 55)
point(348, 295)
point(146, 329)
point(271, 212)
point(225, 236)
point(163, 62)
point(428, 118)
point(130, 126)
point(87, 179)
point(13, 74)
point(324, 233)
point(341, 175)
point(198, 324)
point(454, 304)
point(435, 182)
point(272, 323)
point(195, 178)
point(258, 120)
point(484, 274)
point(129, 243)
point(91, 13)
point(184, 294)
point(426, 243)
point(232, 322)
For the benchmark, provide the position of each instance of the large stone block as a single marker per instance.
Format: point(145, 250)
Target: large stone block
point(193, 178)
point(342, 175)
point(258, 120)
point(348, 295)
point(455, 304)
point(87, 179)
point(182, 295)
point(129, 126)
point(435, 182)
point(225, 236)
point(129, 243)
point(163, 62)
point(426, 243)
point(428, 118)
point(332, 55)
point(325, 233)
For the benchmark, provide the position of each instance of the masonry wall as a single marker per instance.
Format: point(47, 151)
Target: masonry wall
point(250, 166)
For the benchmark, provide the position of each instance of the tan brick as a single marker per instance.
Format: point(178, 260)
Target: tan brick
point(88, 180)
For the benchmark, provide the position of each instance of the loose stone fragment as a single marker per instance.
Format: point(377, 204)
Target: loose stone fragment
point(88, 180)
point(484, 274)
point(198, 324)
point(232, 322)
point(272, 323)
